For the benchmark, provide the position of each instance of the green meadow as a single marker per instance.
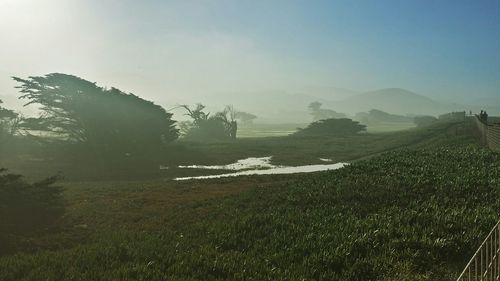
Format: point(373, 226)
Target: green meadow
point(413, 205)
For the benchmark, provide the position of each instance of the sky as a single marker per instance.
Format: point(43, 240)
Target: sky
point(179, 51)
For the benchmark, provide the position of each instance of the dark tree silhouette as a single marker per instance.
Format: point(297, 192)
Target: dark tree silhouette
point(6, 113)
point(197, 113)
point(9, 124)
point(221, 125)
point(108, 120)
point(26, 207)
point(319, 113)
point(245, 117)
point(228, 118)
point(332, 127)
point(6, 118)
point(315, 106)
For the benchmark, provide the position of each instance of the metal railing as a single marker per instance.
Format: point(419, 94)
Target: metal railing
point(485, 264)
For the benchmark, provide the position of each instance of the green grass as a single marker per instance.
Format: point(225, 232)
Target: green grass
point(412, 214)
point(267, 130)
point(382, 127)
point(39, 162)
point(405, 215)
point(307, 150)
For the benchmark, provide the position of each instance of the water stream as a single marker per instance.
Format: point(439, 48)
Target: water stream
point(259, 166)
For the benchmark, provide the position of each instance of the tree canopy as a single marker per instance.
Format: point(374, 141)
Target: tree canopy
point(319, 113)
point(9, 121)
point(245, 117)
point(6, 113)
point(221, 125)
point(332, 127)
point(109, 120)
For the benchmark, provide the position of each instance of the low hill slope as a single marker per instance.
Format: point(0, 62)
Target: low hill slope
point(391, 100)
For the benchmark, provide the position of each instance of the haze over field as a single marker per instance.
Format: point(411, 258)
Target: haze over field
point(251, 53)
point(249, 140)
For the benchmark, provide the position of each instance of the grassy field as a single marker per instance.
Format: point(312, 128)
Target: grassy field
point(40, 162)
point(308, 150)
point(267, 130)
point(410, 214)
point(383, 127)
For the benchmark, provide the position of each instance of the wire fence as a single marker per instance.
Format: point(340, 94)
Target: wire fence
point(485, 264)
point(489, 132)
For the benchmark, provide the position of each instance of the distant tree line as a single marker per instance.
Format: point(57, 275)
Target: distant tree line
point(371, 118)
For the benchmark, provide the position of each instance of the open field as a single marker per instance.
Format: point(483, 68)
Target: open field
point(40, 162)
point(412, 214)
point(307, 150)
point(267, 130)
point(390, 127)
point(249, 140)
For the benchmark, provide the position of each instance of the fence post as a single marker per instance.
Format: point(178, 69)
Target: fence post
point(485, 261)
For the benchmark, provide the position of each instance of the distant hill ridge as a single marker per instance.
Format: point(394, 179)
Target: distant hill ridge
point(391, 100)
point(276, 106)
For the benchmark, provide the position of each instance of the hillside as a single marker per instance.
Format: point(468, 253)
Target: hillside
point(378, 116)
point(391, 100)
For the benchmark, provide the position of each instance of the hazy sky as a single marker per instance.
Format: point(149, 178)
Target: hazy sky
point(176, 50)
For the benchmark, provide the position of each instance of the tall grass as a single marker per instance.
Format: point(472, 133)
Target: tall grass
point(405, 215)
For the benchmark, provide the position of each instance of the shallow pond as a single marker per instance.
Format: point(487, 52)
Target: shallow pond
point(243, 164)
point(260, 166)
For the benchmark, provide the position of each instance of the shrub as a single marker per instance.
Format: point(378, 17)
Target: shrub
point(27, 207)
point(332, 127)
point(422, 121)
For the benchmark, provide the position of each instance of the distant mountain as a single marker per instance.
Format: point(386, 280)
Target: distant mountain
point(285, 107)
point(377, 116)
point(327, 93)
point(391, 100)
